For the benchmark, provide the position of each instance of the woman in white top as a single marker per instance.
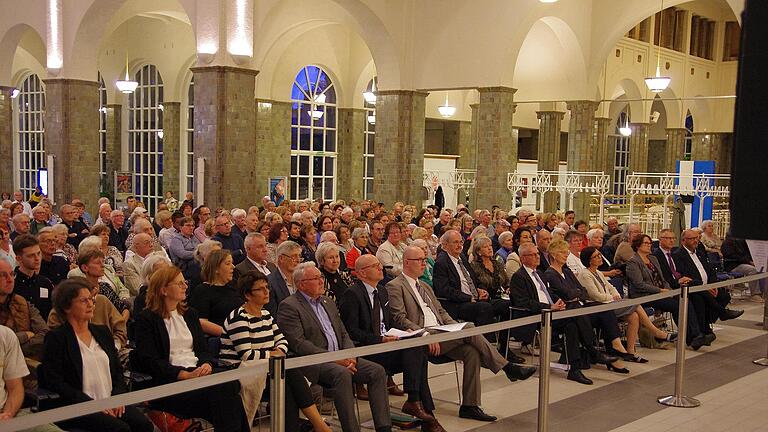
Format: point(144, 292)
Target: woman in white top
point(80, 363)
point(390, 253)
point(171, 346)
point(601, 290)
point(250, 335)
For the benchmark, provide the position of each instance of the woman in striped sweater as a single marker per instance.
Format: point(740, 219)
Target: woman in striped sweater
point(249, 335)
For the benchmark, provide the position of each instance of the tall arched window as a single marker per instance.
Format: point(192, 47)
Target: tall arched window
point(103, 135)
point(31, 129)
point(190, 153)
point(145, 142)
point(621, 163)
point(368, 149)
point(313, 135)
point(688, 136)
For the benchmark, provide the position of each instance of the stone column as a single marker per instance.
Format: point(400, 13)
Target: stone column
point(273, 141)
point(605, 145)
point(399, 152)
point(709, 146)
point(675, 147)
point(582, 153)
point(638, 147)
point(114, 144)
point(171, 147)
point(351, 143)
point(72, 137)
point(225, 134)
point(723, 164)
point(6, 139)
point(550, 124)
point(457, 138)
point(496, 146)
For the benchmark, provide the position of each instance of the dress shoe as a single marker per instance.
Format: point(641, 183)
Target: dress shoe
point(599, 357)
point(730, 314)
point(475, 413)
point(514, 358)
point(416, 409)
point(361, 392)
point(709, 338)
point(393, 389)
point(613, 368)
point(432, 426)
point(671, 337)
point(576, 375)
point(515, 372)
point(697, 342)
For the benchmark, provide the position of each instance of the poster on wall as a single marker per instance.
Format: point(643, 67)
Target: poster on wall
point(123, 187)
point(277, 189)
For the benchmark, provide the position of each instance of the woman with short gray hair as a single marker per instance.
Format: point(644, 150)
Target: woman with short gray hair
point(360, 238)
point(329, 262)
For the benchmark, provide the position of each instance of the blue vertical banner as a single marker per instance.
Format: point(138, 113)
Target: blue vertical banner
point(685, 170)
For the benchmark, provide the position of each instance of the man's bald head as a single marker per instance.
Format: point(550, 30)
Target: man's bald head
point(365, 261)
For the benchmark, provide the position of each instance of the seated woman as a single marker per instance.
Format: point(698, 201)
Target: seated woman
point(309, 235)
point(360, 240)
point(278, 233)
point(430, 267)
point(108, 277)
point(80, 363)
point(709, 238)
point(564, 284)
point(171, 347)
point(599, 289)
point(506, 240)
point(251, 334)
point(336, 280)
point(521, 235)
point(217, 296)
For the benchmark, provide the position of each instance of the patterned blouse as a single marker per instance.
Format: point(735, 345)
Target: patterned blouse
point(495, 282)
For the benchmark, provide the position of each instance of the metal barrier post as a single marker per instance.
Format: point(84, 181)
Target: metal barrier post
point(277, 394)
point(677, 399)
point(544, 351)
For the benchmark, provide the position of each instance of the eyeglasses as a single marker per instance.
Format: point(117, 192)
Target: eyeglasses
point(376, 265)
point(312, 279)
point(668, 238)
point(4, 275)
point(86, 300)
point(293, 257)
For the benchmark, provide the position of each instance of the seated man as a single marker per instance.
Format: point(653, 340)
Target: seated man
point(141, 247)
point(12, 369)
point(229, 241)
point(255, 256)
point(711, 304)
point(738, 259)
point(29, 283)
point(53, 267)
point(181, 245)
point(529, 291)
point(366, 315)
point(20, 225)
point(414, 306)
point(452, 279)
point(311, 323)
point(20, 316)
point(281, 284)
point(118, 233)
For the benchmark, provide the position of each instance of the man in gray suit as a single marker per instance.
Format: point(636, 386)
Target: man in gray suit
point(255, 257)
point(312, 325)
point(414, 306)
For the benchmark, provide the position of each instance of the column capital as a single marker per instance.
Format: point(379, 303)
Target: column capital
point(675, 129)
point(585, 105)
point(171, 103)
point(497, 89)
point(49, 81)
point(114, 106)
point(402, 93)
point(204, 69)
point(361, 110)
point(639, 125)
point(556, 114)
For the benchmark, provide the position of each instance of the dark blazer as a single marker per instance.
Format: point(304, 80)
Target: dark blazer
point(278, 291)
point(666, 272)
point(153, 348)
point(246, 266)
point(300, 325)
point(639, 277)
point(61, 370)
point(524, 294)
point(686, 267)
point(543, 264)
point(446, 280)
point(567, 288)
point(355, 307)
point(234, 244)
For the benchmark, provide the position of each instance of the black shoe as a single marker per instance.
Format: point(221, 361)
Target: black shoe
point(514, 358)
point(697, 342)
point(613, 368)
point(709, 338)
point(576, 375)
point(599, 357)
point(475, 413)
point(515, 372)
point(730, 314)
point(671, 337)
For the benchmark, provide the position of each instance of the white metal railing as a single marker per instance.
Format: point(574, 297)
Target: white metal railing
point(594, 183)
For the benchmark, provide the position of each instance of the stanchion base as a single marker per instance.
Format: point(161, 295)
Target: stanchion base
point(761, 361)
point(679, 402)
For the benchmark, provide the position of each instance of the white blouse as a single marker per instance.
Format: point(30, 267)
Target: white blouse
point(97, 382)
point(182, 352)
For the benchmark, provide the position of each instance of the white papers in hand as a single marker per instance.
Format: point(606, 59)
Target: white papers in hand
point(403, 334)
point(449, 327)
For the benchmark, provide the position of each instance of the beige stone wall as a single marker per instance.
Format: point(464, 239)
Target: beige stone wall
point(496, 146)
point(273, 143)
point(225, 134)
point(399, 152)
point(72, 137)
point(171, 146)
point(6, 140)
point(605, 144)
point(349, 163)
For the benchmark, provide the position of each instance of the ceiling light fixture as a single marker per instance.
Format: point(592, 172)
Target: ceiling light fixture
point(658, 83)
point(625, 130)
point(370, 95)
point(15, 93)
point(446, 110)
point(126, 85)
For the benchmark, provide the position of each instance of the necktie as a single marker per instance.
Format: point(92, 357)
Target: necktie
point(675, 274)
point(428, 300)
point(542, 286)
point(467, 278)
point(376, 313)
